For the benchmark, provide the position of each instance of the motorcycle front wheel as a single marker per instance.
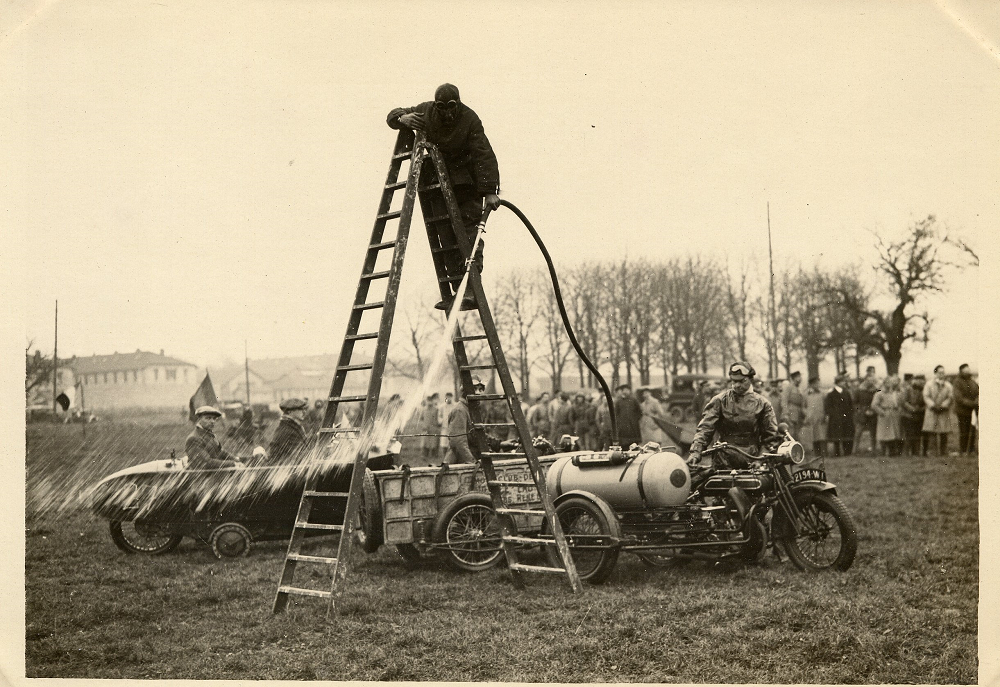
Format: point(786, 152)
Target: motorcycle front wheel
point(828, 540)
point(132, 537)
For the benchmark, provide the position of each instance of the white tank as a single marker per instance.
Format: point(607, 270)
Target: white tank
point(649, 480)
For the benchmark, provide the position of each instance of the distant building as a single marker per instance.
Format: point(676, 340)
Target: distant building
point(133, 380)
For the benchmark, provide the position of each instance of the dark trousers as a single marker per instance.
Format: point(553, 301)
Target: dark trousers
point(842, 447)
point(442, 234)
point(937, 441)
point(966, 433)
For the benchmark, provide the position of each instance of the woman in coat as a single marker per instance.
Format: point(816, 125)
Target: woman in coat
point(652, 411)
point(814, 424)
point(938, 395)
point(888, 405)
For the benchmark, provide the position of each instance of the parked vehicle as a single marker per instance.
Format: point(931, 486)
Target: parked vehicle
point(680, 397)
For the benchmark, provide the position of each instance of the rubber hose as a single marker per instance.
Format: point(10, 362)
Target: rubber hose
point(562, 311)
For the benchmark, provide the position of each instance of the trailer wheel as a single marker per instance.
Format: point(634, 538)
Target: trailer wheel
point(582, 520)
point(132, 537)
point(368, 534)
point(469, 531)
point(230, 540)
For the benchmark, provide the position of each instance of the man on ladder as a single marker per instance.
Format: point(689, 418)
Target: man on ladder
point(472, 166)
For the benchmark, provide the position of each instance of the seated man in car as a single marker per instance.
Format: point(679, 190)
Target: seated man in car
point(738, 416)
point(203, 450)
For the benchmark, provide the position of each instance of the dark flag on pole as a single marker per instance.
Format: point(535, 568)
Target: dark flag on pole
point(63, 401)
point(204, 396)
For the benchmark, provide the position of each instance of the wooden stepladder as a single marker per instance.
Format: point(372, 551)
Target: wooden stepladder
point(451, 250)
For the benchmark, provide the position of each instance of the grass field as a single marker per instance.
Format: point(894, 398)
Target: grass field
point(905, 612)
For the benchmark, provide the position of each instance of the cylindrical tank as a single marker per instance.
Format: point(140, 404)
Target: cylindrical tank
point(649, 480)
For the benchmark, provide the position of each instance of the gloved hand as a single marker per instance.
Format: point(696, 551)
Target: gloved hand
point(694, 458)
point(413, 121)
point(492, 199)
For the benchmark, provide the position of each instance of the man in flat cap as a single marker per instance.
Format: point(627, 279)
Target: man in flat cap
point(290, 436)
point(203, 450)
point(461, 430)
point(740, 416)
point(472, 166)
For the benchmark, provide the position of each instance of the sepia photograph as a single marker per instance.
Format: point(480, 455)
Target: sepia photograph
point(527, 342)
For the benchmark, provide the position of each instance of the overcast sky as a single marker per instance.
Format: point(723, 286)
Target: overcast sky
point(187, 175)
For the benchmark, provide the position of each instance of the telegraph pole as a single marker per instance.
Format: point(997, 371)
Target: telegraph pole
point(55, 362)
point(246, 369)
point(772, 354)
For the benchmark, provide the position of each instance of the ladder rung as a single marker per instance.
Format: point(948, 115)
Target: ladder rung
point(449, 280)
point(430, 187)
point(396, 186)
point(360, 366)
point(311, 559)
point(383, 245)
point(477, 367)
point(437, 218)
point(346, 399)
point(535, 568)
point(524, 540)
point(508, 482)
point(519, 511)
point(360, 337)
point(370, 306)
point(304, 592)
point(494, 424)
point(319, 494)
point(471, 337)
point(400, 156)
point(486, 397)
point(390, 215)
point(339, 430)
point(376, 275)
point(317, 526)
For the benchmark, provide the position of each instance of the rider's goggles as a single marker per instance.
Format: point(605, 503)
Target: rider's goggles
point(737, 369)
point(441, 105)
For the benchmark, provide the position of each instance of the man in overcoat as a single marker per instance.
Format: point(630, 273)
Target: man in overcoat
point(203, 450)
point(462, 433)
point(628, 413)
point(838, 407)
point(966, 402)
point(793, 405)
point(290, 437)
point(472, 165)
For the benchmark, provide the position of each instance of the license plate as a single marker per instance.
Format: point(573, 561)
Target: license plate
point(809, 473)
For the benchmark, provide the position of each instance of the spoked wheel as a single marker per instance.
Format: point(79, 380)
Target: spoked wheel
point(469, 532)
point(230, 540)
point(828, 540)
point(587, 530)
point(152, 540)
point(368, 532)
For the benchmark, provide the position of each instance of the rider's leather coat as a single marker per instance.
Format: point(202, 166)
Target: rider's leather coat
point(746, 421)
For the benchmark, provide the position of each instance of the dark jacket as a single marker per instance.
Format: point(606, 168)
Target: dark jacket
point(289, 440)
point(460, 432)
point(746, 421)
point(839, 410)
point(966, 395)
point(204, 451)
point(627, 415)
point(467, 152)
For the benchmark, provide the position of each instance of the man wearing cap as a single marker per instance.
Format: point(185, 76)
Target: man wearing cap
point(460, 428)
point(740, 416)
point(468, 156)
point(290, 435)
point(838, 408)
point(203, 450)
point(793, 404)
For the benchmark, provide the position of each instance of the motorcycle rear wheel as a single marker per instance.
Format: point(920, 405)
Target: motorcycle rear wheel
point(139, 538)
point(830, 540)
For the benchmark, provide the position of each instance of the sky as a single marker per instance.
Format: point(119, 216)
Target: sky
point(189, 176)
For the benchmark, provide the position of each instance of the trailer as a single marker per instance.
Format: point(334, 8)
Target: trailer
point(445, 511)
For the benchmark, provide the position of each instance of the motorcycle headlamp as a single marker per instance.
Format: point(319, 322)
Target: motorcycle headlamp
point(792, 451)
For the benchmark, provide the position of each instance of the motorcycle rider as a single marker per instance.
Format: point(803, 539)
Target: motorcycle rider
point(738, 416)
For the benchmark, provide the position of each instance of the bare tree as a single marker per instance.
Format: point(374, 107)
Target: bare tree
point(412, 355)
point(516, 315)
point(916, 267)
point(585, 298)
point(37, 370)
point(737, 307)
point(556, 347)
point(642, 318)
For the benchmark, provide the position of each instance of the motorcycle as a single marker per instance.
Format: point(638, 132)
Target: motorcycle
point(649, 504)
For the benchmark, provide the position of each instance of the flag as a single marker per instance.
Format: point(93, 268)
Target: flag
point(204, 396)
point(63, 401)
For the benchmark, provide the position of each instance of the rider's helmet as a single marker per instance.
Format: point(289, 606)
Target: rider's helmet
point(741, 370)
